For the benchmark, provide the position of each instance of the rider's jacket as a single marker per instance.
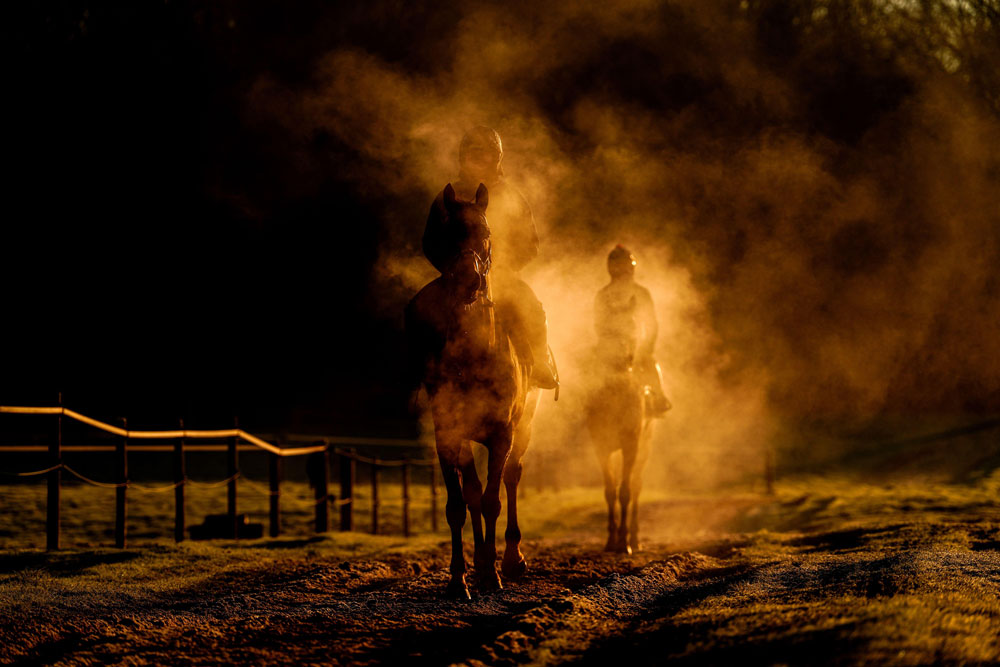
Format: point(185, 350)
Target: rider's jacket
point(625, 320)
point(512, 227)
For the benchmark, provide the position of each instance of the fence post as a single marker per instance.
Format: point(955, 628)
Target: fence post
point(406, 499)
point(322, 490)
point(55, 484)
point(434, 497)
point(179, 477)
point(374, 496)
point(232, 468)
point(274, 474)
point(121, 499)
point(346, 492)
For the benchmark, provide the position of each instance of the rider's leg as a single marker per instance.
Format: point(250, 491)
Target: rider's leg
point(651, 376)
point(526, 318)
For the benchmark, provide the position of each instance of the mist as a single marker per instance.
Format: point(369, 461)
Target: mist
point(810, 189)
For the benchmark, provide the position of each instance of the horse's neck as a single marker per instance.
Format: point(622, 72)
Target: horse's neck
point(614, 354)
point(474, 327)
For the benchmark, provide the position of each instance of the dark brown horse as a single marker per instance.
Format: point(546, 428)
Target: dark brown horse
point(478, 390)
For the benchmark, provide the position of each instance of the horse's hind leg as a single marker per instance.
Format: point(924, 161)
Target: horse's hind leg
point(455, 511)
point(486, 565)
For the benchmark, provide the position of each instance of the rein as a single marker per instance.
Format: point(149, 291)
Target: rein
point(464, 311)
point(482, 270)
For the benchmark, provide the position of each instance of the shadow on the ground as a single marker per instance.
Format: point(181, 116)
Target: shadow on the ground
point(843, 540)
point(655, 639)
point(691, 644)
point(62, 563)
point(282, 544)
point(443, 645)
point(50, 652)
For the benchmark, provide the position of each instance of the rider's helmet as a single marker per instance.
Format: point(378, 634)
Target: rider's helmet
point(621, 262)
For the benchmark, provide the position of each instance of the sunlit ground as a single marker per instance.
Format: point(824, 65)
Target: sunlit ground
point(829, 569)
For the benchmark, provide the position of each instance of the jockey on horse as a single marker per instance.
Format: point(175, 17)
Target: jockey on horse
point(626, 395)
point(515, 243)
point(463, 351)
point(626, 326)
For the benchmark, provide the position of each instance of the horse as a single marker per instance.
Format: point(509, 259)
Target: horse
point(478, 387)
point(619, 421)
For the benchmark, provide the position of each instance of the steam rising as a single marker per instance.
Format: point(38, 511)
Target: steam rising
point(810, 188)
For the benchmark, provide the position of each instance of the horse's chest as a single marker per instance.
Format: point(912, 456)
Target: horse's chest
point(474, 409)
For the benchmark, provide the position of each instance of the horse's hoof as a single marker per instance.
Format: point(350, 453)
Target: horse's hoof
point(457, 590)
point(636, 547)
point(610, 546)
point(489, 582)
point(514, 570)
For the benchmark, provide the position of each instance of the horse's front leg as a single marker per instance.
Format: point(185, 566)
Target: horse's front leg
point(448, 452)
point(625, 497)
point(637, 472)
point(499, 448)
point(609, 496)
point(472, 490)
point(513, 565)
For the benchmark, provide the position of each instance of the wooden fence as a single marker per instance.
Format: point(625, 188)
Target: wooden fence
point(318, 466)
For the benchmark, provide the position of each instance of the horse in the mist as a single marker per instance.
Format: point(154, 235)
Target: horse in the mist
point(478, 390)
point(618, 421)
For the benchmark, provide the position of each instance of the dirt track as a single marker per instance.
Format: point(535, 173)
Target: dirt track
point(904, 576)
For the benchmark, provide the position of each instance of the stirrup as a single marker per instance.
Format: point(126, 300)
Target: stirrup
point(656, 403)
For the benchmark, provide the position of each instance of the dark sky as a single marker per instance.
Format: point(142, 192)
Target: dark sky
point(174, 243)
point(150, 266)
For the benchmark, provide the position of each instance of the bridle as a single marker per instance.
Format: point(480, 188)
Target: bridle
point(477, 299)
point(480, 266)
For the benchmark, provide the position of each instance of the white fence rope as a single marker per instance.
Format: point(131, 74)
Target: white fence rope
point(164, 435)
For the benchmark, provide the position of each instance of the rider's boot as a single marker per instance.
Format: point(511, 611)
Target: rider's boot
point(543, 372)
point(524, 316)
point(656, 401)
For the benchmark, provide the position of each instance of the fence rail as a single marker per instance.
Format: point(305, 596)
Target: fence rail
point(318, 469)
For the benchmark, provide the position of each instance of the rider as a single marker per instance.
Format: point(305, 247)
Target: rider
point(625, 320)
point(515, 243)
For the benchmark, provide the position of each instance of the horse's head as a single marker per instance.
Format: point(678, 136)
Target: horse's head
point(467, 271)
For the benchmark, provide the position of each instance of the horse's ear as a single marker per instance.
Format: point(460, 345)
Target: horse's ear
point(482, 196)
point(449, 196)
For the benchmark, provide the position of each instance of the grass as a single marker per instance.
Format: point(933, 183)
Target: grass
point(829, 569)
point(88, 513)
